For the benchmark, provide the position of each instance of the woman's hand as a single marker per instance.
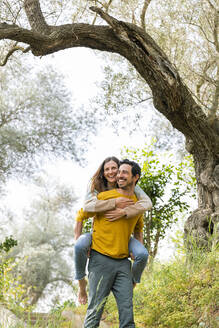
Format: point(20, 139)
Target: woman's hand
point(132, 256)
point(122, 202)
point(114, 215)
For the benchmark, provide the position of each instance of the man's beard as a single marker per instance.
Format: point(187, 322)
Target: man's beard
point(126, 186)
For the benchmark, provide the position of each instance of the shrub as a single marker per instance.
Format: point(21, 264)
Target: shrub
point(177, 295)
point(12, 292)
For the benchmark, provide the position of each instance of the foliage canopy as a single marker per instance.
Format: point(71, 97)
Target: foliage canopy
point(167, 185)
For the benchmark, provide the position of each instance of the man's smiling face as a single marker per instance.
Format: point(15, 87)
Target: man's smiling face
point(125, 179)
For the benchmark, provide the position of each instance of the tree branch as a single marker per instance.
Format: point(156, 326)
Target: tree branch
point(216, 30)
point(114, 23)
point(202, 30)
point(214, 107)
point(199, 100)
point(35, 16)
point(106, 7)
point(156, 242)
point(8, 6)
point(143, 13)
point(11, 51)
point(143, 100)
point(204, 77)
point(171, 97)
point(211, 5)
point(61, 37)
point(147, 222)
point(19, 34)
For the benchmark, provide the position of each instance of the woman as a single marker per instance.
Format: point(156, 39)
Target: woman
point(105, 179)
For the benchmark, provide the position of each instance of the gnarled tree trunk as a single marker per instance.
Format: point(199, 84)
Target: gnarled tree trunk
point(202, 227)
point(171, 97)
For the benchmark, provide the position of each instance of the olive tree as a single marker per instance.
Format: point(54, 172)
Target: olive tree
point(37, 32)
point(38, 117)
point(44, 235)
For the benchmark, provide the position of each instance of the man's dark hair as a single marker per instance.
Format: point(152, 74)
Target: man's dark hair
point(135, 167)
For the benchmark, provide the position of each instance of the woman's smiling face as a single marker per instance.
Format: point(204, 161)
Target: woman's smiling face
point(110, 172)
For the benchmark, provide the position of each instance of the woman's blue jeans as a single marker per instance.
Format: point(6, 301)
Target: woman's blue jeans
point(83, 245)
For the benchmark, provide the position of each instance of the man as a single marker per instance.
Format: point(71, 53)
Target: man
point(109, 267)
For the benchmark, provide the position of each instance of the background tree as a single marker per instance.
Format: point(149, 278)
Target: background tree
point(127, 101)
point(185, 30)
point(171, 96)
point(169, 187)
point(44, 234)
point(192, 45)
point(38, 116)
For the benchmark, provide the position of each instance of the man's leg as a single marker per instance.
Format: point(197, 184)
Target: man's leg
point(140, 254)
point(101, 277)
point(81, 248)
point(123, 291)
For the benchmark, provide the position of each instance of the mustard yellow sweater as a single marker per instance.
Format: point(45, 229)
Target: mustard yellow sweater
point(111, 238)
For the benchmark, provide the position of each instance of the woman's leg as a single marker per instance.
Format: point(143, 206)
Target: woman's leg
point(82, 247)
point(140, 254)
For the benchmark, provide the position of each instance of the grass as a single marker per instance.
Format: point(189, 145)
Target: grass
point(176, 295)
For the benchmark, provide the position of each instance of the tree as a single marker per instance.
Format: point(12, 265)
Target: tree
point(171, 96)
point(192, 45)
point(127, 101)
point(44, 234)
point(166, 184)
point(38, 116)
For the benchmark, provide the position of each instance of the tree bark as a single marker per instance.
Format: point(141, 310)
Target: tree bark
point(147, 229)
point(170, 96)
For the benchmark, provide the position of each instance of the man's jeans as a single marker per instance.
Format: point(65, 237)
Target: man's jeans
point(83, 244)
point(107, 274)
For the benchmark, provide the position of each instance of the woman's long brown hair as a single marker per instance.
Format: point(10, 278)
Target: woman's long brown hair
point(98, 181)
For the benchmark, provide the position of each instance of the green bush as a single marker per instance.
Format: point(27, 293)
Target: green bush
point(177, 295)
point(12, 291)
